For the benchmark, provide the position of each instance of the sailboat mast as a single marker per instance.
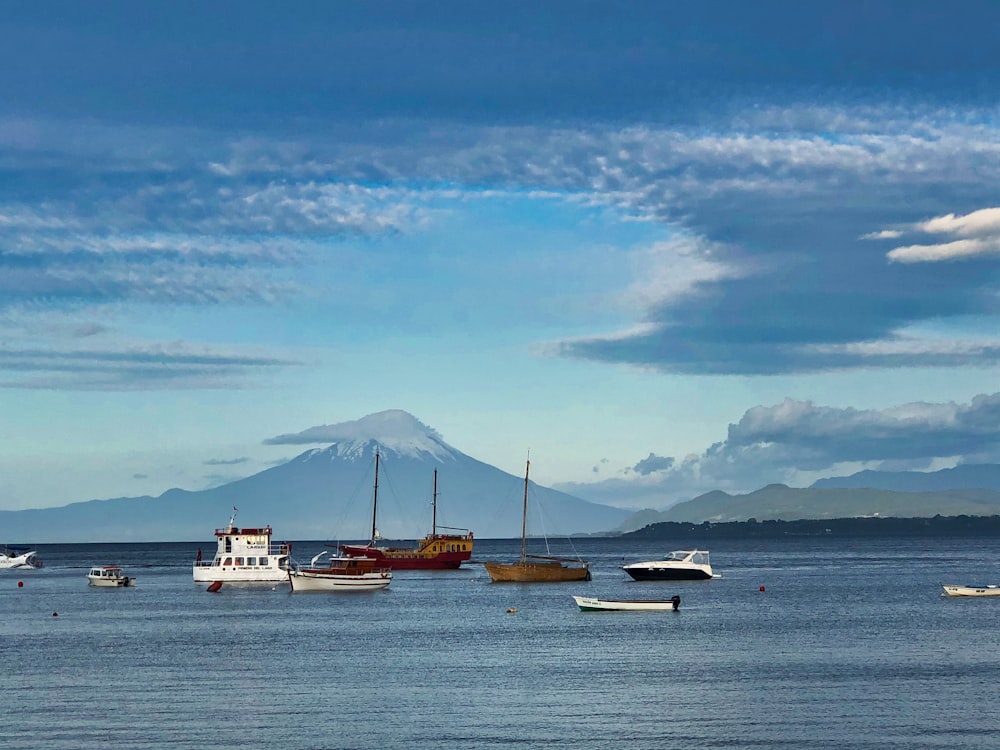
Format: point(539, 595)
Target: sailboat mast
point(375, 499)
point(434, 504)
point(524, 514)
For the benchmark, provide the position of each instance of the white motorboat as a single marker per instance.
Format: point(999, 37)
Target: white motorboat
point(682, 565)
point(592, 604)
point(109, 576)
point(987, 590)
point(15, 558)
point(340, 574)
point(244, 555)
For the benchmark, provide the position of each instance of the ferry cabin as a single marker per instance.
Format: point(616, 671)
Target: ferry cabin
point(244, 554)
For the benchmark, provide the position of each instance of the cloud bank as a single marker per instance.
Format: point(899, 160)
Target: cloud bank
point(797, 442)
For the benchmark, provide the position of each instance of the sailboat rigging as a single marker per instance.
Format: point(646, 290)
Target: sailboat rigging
point(435, 551)
point(536, 568)
point(343, 573)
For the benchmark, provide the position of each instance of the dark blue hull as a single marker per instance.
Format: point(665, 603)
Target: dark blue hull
point(667, 574)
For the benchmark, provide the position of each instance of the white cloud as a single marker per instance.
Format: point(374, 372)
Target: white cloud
point(979, 232)
point(985, 221)
point(957, 250)
point(675, 268)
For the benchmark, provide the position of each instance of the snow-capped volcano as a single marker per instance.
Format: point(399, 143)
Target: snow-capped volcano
point(394, 429)
point(326, 493)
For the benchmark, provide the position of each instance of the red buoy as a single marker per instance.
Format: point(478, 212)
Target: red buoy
point(761, 588)
point(20, 584)
point(215, 586)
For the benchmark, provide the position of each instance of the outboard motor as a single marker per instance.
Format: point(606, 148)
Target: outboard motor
point(677, 602)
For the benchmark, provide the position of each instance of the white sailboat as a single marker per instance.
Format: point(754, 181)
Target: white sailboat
point(340, 574)
point(344, 573)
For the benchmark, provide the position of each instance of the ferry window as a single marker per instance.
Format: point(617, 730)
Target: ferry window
point(229, 544)
point(217, 561)
point(239, 560)
point(251, 561)
point(229, 561)
point(262, 562)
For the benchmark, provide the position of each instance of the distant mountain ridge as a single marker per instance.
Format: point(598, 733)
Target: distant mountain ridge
point(966, 476)
point(779, 502)
point(972, 489)
point(326, 494)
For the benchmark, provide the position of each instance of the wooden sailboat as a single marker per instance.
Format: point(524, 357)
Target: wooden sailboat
point(536, 568)
point(434, 552)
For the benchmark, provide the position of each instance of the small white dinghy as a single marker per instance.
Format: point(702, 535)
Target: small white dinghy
point(988, 590)
point(592, 604)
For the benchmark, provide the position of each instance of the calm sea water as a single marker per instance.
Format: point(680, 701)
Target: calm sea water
point(850, 645)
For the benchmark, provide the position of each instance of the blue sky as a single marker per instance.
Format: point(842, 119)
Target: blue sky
point(667, 247)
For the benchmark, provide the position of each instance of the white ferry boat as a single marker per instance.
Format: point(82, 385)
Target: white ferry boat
point(244, 555)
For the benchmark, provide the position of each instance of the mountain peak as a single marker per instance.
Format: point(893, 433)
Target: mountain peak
point(391, 424)
point(393, 429)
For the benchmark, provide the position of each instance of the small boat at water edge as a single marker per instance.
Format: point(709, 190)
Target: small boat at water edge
point(18, 558)
point(681, 565)
point(592, 604)
point(341, 574)
point(987, 590)
point(109, 576)
point(536, 568)
point(244, 556)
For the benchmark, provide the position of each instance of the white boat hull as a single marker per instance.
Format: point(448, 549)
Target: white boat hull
point(109, 577)
point(117, 583)
point(212, 573)
point(681, 565)
point(990, 590)
point(592, 604)
point(17, 562)
point(320, 580)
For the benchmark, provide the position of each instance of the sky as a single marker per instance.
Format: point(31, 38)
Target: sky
point(666, 247)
